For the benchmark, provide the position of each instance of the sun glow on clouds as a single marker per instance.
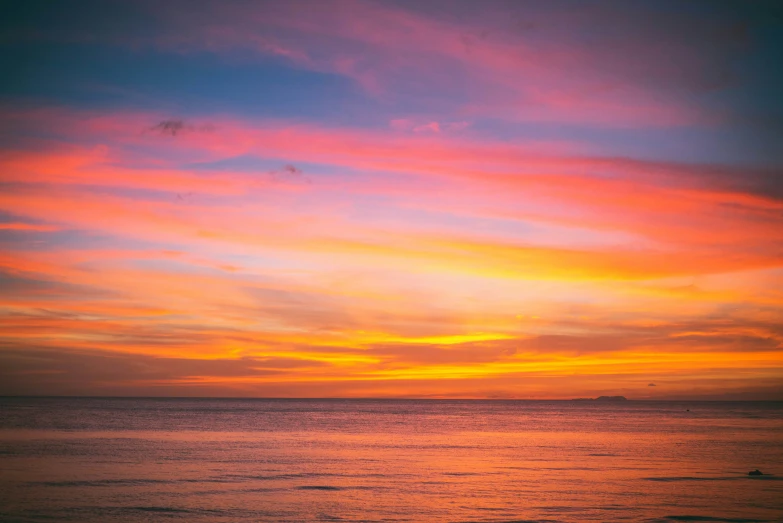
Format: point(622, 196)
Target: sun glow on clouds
point(430, 253)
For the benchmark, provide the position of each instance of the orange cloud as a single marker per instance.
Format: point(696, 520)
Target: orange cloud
point(471, 265)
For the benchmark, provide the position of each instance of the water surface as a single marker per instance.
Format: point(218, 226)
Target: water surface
point(218, 460)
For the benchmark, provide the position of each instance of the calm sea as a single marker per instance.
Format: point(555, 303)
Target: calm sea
point(139, 460)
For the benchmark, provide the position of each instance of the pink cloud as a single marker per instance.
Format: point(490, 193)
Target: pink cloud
point(622, 76)
point(417, 126)
point(672, 206)
point(433, 127)
point(37, 227)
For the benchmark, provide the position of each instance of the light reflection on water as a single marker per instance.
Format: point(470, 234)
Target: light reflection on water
point(365, 460)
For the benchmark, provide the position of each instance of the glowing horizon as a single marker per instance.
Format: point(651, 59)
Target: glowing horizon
point(372, 199)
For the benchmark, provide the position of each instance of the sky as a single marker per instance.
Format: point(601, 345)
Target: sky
point(441, 199)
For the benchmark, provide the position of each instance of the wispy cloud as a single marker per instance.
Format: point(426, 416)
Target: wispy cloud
point(371, 198)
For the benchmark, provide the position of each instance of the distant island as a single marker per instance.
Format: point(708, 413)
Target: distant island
point(603, 398)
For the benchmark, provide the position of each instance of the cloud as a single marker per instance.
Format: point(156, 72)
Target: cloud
point(429, 265)
point(597, 64)
point(289, 173)
point(680, 225)
point(170, 127)
point(39, 371)
point(615, 77)
point(33, 227)
point(431, 127)
point(21, 281)
point(174, 127)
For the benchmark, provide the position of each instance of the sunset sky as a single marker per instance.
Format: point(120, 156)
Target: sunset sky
point(392, 199)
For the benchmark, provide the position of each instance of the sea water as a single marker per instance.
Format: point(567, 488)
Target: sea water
point(134, 460)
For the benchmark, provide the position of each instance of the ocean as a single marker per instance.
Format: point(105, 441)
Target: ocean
point(221, 460)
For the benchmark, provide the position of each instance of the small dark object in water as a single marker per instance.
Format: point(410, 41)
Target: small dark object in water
point(756, 472)
point(687, 410)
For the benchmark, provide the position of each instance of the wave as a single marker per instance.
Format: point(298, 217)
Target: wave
point(766, 477)
point(712, 519)
point(101, 482)
point(123, 482)
point(272, 477)
point(160, 509)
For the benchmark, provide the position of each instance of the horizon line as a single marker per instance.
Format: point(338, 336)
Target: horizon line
point(386, 398)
